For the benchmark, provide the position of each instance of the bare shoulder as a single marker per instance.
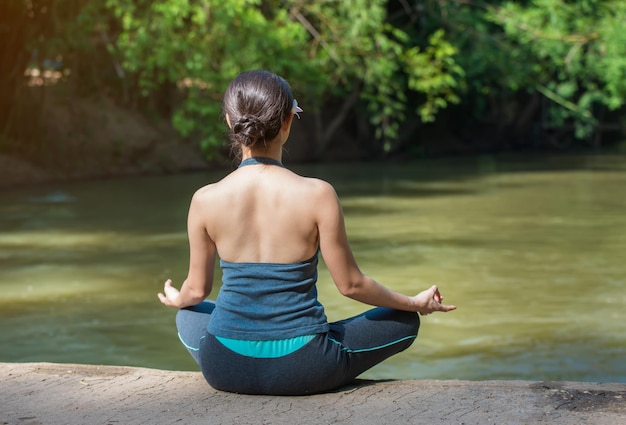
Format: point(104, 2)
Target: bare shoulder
point(322, 199)
point(205, 194)
point(320, 188)
point(205, 191)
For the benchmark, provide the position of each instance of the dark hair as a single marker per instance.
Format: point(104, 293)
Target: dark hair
point(257, 103)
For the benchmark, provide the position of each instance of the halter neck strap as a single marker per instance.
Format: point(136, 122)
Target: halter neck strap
point(254, 160)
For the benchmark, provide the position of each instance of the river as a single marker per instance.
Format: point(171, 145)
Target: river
point(532, 250)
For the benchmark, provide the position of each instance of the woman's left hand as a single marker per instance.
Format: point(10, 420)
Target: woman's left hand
point(430, 300)
point(169, 296)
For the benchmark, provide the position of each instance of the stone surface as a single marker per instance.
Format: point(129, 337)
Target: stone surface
point(45, 393)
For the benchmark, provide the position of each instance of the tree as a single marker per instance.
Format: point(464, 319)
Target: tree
point(566, 59)
point(328, 50)
point(58, 38)
point(371, 61)
point(577, 51)
point(367, 58)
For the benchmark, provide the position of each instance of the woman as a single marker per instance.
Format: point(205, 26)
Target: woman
point(267, 333)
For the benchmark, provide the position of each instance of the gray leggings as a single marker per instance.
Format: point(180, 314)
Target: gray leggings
point(327, 362)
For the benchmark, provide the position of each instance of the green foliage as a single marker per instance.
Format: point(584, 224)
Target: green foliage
point(577, 51)
point(351, 44)
point(375, 59)
point(355, 46)
point(326, 49)
point(435, 73)
point(199, 46)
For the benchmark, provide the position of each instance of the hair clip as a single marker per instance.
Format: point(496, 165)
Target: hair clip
point(296, 108)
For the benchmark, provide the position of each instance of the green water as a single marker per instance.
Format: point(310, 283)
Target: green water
point(531, 250)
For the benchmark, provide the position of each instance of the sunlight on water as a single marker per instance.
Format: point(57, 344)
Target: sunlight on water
point(531, 251)
point(58, 263)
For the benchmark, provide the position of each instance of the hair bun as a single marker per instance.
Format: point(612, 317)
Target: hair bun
point(249, 129)
point(257, 103)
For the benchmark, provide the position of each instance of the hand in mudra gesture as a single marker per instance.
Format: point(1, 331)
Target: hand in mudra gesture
point(429, 301)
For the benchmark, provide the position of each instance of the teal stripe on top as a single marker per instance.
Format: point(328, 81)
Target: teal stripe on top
point(265, 349)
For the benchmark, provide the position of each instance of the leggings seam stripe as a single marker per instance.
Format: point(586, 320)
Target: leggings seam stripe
point(189, 347)
point(362, 350)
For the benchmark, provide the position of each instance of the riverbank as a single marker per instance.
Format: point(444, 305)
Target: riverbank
point(68, 394)
point(89, 138)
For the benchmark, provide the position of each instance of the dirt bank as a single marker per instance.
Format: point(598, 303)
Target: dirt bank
point(91, 138)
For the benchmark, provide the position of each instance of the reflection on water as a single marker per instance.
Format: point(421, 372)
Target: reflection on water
point(531, 250)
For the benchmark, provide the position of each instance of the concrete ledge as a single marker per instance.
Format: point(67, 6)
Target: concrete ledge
point(45, 393)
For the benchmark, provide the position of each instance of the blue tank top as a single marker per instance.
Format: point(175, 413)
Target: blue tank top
point(268, 301)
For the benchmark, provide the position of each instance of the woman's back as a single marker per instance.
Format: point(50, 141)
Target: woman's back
point(262, 213)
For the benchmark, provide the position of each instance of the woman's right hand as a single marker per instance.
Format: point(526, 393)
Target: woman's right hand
point(429, 301)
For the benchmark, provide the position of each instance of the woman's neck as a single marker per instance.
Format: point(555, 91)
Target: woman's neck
point(273, 150)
